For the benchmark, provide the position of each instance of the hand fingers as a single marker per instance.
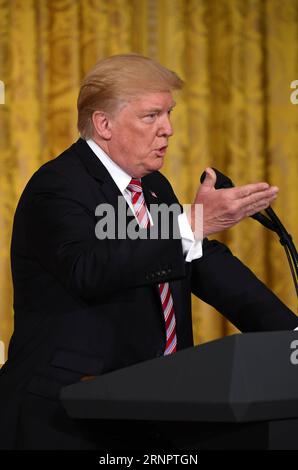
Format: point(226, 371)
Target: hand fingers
point(253, 193)
point(256, 201)
point(248, 189)
point(258, 206)
point(260, 197)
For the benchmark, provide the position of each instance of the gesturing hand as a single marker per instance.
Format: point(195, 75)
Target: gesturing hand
point(223, 208)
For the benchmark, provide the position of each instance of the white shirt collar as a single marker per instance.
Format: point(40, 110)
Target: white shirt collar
point(121, 178)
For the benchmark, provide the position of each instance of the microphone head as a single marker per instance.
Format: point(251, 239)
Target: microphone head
point(222, 181)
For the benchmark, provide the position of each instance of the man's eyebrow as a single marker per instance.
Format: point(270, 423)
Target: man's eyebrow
point(158, 109)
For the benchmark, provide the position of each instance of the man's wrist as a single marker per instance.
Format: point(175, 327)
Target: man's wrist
point(194, 214)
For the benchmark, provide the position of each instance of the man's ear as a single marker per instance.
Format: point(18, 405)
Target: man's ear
point(102, 124)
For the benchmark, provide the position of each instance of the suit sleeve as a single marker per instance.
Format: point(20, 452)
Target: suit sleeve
point(60, 231)
point(223, 281)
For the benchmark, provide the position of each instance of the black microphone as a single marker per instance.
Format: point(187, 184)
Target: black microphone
point(222, 181)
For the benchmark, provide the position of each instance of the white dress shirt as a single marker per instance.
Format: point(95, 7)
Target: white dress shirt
point(192, 249)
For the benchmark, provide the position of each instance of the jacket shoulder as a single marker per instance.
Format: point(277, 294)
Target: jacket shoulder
point(62, 164)
point(66, 170)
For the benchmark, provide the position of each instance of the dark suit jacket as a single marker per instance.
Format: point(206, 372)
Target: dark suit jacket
point(85, 306)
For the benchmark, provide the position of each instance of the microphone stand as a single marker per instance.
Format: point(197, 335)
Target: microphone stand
point(272, 222)
point(285, 240)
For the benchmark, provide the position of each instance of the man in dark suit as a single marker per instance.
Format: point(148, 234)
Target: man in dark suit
point(86, 305)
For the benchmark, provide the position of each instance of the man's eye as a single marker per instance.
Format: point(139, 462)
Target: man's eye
point(150, 117)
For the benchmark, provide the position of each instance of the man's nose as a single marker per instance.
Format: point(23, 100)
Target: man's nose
point(165, 128)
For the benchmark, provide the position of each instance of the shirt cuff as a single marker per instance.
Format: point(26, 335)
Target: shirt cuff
point(192, 249)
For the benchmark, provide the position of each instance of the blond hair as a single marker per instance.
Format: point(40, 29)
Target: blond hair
point(118, 79)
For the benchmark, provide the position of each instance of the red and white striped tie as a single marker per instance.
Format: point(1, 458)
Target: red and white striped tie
point(141, 213)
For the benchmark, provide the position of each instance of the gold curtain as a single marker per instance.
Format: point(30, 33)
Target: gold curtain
point(238, 58)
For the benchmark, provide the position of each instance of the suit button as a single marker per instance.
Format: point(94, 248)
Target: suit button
point(169, 270)
point(163, 272)
point(158, 273)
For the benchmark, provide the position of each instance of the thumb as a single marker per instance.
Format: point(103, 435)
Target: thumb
point(209, 181)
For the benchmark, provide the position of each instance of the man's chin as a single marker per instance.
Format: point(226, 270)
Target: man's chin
point(158, 163)
point(155, 166)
